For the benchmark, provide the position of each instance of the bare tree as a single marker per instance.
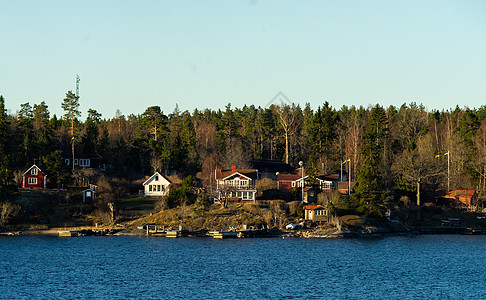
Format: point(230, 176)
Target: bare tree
point(480, 165)
point(7, 212)
point(287, 119)
point(417, 166)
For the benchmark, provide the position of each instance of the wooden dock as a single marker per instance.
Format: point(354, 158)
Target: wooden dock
point(223, 234)
point(68, 233)
point(173, 234)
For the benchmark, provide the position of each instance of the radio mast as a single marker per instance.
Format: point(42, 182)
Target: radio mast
point(72, 128)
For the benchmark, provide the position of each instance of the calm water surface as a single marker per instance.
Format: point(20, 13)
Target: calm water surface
point(421, 267)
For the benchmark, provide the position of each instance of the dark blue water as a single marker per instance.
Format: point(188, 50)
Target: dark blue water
point(422, 267)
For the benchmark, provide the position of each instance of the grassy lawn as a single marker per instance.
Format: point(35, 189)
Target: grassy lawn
point(136, 207)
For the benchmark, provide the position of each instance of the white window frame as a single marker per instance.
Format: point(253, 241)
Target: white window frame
point(293, 183)
point(75, 161)
point(34, 171)
point(67, 161)
point(32, 180)
point(84, 162)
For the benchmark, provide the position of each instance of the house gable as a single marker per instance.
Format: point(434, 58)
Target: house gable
point(37, 170)
point(157, 178)
point(34, 177)
point(156, 185)
point(235, 176)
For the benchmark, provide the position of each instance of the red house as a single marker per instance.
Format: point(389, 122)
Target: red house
point(288, 182)
point(34, 177)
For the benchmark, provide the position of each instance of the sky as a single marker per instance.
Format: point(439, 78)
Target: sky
point(131, 55)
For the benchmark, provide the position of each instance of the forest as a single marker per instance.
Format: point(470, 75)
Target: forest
point(391, 149)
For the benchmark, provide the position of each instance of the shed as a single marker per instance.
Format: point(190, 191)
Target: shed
point(316, 213)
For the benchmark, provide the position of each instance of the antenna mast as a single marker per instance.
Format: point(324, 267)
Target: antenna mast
point(77, 99)
point(77, 87)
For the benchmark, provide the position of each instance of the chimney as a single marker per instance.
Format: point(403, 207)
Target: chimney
point(233, 169)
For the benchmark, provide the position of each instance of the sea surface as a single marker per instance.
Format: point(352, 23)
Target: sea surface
point(418, 267)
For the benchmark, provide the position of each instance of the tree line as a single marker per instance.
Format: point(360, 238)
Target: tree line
point(406, 149)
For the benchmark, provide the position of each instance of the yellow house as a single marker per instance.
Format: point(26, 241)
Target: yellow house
point(316, 213)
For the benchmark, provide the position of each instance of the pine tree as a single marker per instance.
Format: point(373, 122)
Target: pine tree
point(70, 105)
point(4, 155)
point(370, 183)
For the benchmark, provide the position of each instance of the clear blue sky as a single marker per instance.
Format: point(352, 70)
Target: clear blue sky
point(205, 54)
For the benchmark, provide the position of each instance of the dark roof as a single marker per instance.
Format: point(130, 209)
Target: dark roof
point(82, 155)
point(271, 166)
point(329, 177)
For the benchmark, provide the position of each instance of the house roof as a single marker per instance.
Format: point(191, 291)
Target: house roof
point(460, 193)
point(82, 155)
point(156, 173)
point(39, 167)
point(329, 177)
point(288, 177)
point(250, 173)
point(313, 207)
point(271, 166)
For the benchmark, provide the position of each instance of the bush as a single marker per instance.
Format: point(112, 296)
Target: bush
point(265, 184)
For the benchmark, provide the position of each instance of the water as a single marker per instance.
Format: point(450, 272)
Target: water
point(421, 267)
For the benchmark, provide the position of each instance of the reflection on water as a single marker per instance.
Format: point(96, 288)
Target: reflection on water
point(431, 267)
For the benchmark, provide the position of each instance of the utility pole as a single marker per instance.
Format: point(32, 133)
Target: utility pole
point(448, 171)
point(301, 164)
point(349, 174)
point(349, 177)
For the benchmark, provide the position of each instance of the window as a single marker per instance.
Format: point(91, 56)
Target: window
point(66, 161)
point(326, 185)
point(75, 161)
point(84, 162)
point(32, 180)
point(150, 188)
point(88, 194)
point(156, 178)
point(293, 183)
point(158, 188)
point(33, 171)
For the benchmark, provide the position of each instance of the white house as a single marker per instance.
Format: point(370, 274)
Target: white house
point(237, 184)
point(156, 185)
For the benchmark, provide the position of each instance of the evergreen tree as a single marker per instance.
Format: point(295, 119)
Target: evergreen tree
point(70, 105)
point(4, 155)
point(370, 183)
point(42, 131)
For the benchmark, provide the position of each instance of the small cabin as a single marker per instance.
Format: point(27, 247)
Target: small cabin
point(315, 213)
point(89, 194)
point(310, 195)
point(156, 186)
point(34, 177)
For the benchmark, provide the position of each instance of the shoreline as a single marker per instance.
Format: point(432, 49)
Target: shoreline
point(307, 234)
